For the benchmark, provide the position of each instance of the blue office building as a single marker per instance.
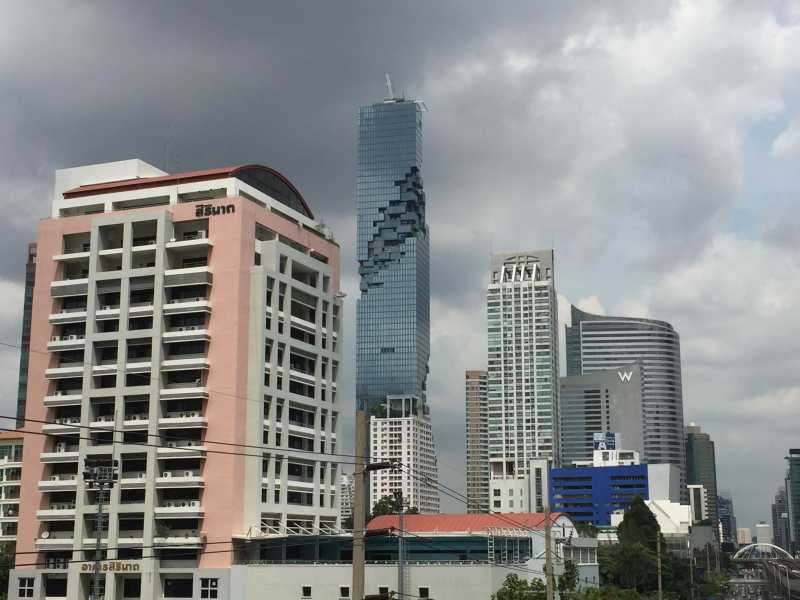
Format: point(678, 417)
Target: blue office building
point(393, 312)
point(591, 494)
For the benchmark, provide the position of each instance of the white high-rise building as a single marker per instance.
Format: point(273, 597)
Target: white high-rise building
point(346, 492)
point(523, 387)
point(405, 435)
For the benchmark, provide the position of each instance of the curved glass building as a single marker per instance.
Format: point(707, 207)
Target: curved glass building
point(596, 342)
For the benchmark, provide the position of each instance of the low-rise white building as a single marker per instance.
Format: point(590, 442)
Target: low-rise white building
point(10, 476)
point(447, 557)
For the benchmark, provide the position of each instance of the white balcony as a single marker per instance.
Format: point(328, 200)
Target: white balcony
point(135, 422)
point(143, 310)
point(138, 366)
point(187, 333)
point(179, 537)
point(66, 426)
point(57, 512)
point(180, 478)
point(55, 540)
point(190, 391)
point(133, 480)
point(64, 282)
point(181, 364)
point(66, 342)
point(303, 324)
point(63, 399)
point(59, 483)
point(67, 454)
point(111, 251)
point(106, 369)
point(72, 256)
point(200, 241)
point(63, 372)
point(186, 305)
point(188, 270)
point(68, 315)
point(181, 449)
point(182, 420)
point(179, 508)
point(107, 311)
point(302, 377)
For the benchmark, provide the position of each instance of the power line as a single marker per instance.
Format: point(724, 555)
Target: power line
point(195, 449)
point(104, 429)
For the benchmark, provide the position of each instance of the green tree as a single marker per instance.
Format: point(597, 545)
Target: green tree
point(568, 580)
point(631, 566)
point(516, 588)
point(639, 526)
point(7, 551)
point(387, 505)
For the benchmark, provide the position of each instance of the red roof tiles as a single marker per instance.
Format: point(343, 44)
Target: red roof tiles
point(457, 523)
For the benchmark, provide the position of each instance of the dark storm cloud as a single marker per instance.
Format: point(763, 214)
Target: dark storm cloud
point(613, 133)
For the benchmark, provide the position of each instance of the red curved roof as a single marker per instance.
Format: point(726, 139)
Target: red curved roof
point(461, 523)
point(190, 176)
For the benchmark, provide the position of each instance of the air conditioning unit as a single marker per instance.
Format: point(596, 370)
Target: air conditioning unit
point(172, 444)
point(107, 307)
point(172, 239)
point(142, 475)
point(166, 474)
point(45, 535)
point(188, 473)
point(201, 234)
point(55, 338)
point(73, 477)
point(72, 336)
point(58, 393)
point(54, 478)
point(61, 446)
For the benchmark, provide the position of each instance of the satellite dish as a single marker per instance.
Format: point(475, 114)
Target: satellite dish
point(45, 535)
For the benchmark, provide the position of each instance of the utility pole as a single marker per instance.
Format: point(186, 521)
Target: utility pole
point(360, 473)
point(99, 475)
point(401, 567)
point(658, 559)
point(548, 556)
point(691, 568)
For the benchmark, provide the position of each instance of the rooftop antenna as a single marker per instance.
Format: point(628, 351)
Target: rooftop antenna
point(389, 88)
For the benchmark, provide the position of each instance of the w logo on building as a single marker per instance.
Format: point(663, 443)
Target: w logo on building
point(625, 375)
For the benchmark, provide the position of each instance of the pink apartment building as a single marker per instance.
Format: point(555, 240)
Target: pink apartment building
point(188, 327)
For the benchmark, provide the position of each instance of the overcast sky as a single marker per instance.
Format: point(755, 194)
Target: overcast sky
point(654, 145)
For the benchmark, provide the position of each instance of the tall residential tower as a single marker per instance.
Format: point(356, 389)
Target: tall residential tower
point(701, 468)
point(597, 342)
point(186, 329)
point(477, 436)
point(393, 311)
point(522, 405)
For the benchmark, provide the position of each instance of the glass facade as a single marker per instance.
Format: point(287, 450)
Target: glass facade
point(393, 312)
point(597, 342)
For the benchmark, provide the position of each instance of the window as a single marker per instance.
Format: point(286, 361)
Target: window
point(496, 493)
point(383, 591)
point(25, 587)
point(208, 588)
point(344, 592)
point(423, 592)
point(178, 587)
point(306, 591)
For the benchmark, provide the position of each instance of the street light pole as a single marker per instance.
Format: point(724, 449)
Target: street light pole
point(99, 475)
point(360, 473)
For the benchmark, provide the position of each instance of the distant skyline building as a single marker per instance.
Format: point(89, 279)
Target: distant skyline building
point(763, 532)
point(701, 466)
point(393, 253)
point(744, 536)
point(477, 441)
point(780, 519)
point(25, 336)
point(607, 401)
point(522, 321)
point(793, 497)
point(404, 436)
point(698, 501)
point(346, 491)
point(727, 517)
point(597, 342)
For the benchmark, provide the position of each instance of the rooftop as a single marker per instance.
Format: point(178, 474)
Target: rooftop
point(263, 178)
point(461, 523)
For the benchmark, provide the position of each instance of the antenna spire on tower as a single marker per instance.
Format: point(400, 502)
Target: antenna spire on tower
point(390, 95)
